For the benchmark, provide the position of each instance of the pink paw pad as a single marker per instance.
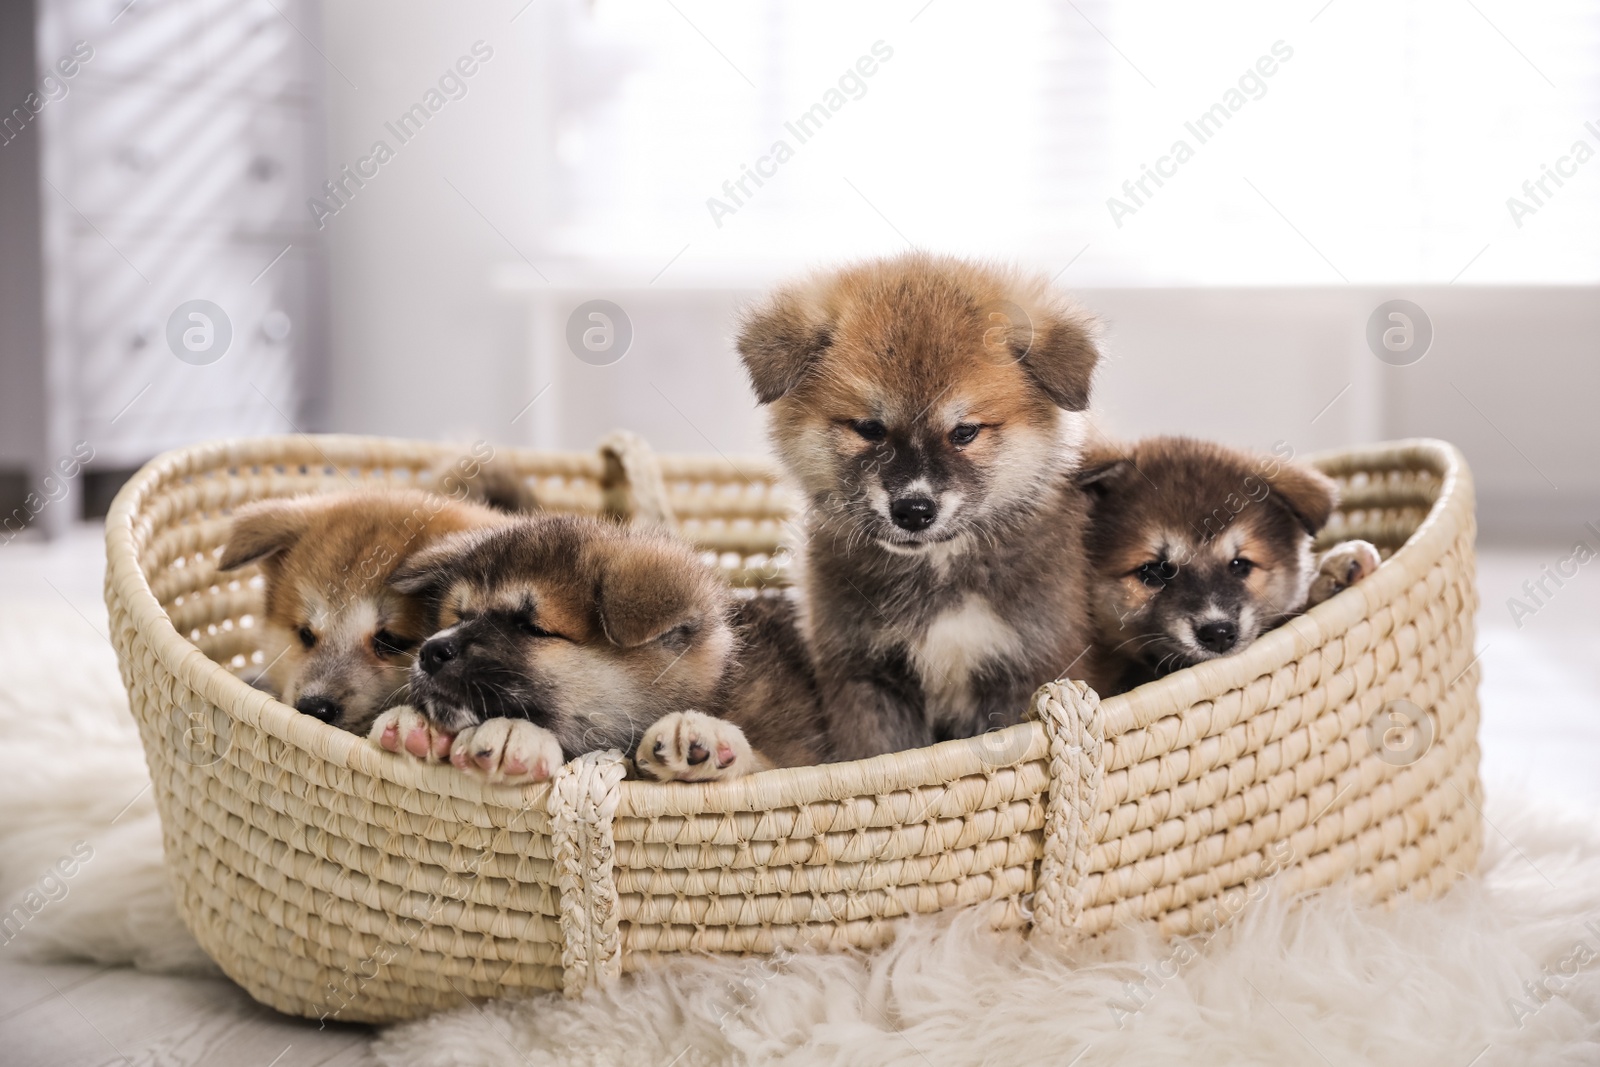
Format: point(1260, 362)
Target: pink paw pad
point(417, 743)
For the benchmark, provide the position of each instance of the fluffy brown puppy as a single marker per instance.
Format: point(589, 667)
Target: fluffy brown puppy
point(558, 636)
point(1197, 549)
point(929, 409)
point(338, 640)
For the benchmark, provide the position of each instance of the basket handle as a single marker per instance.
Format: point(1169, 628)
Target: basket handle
point(583, 803)
point(632, 490)
point(1075, 729)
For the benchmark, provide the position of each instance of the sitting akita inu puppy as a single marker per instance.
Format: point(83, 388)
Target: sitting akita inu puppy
point(1197, 549)
point(555, 636)
point(929, 409)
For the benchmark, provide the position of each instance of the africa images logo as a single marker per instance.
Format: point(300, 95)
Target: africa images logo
point(599, 332)
point(199, 332)
point(1399, 332)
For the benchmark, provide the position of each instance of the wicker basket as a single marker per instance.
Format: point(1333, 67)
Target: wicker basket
point(332, 879)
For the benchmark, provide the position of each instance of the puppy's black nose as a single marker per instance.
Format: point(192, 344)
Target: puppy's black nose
point(436, 652)
point(1217, 636)
point(913, 513)
point(318, 707)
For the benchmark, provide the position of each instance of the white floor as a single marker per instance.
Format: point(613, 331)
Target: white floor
point(1541, 679)
point(1541, 732)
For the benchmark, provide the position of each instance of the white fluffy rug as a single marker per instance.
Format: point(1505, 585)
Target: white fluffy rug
point(76, 786)
point(1504, 970)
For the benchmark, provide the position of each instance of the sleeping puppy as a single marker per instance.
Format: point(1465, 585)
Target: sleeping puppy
point(929, 408)
point(1197, 549)
point(338, 639)
point(558, 636)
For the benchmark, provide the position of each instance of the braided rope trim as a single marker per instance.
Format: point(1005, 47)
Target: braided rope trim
point(1075, 730)
point(583, 802)
point(632, 482)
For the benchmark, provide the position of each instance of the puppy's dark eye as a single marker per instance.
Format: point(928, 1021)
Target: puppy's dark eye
point(533, 629)
point(307, 638)
point(965, 433)
point(1157, 573)
point(1241, 567)
point(870, 429)
point(385, 643)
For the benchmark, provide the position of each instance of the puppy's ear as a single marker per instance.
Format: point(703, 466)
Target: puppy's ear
point(646, 590)
point(1309, 494)
point(492, 482)
point(430, 569)
point(1060, 353)
point(779, 341)
point(1102, 479)
point(264, 529)
point(1102, 468)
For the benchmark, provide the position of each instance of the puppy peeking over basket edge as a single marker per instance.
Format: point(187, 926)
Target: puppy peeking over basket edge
point(1196, 549)
point(338, 641)
point(558, 635)
point(354, 587)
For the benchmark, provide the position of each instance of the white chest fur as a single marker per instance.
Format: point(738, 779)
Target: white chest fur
point(954, 647)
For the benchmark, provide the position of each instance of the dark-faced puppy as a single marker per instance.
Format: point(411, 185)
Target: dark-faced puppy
point(1198, 548)
point(557, 636)
point(338, 640)
point(929, 409)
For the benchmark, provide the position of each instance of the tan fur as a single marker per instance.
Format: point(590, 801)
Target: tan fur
point(952, 388)
point(1340, 567)
point(326, 561)
point(824, 352)
point(1197, 548)
point(589, 634)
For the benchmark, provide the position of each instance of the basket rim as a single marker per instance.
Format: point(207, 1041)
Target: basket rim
point(1451, 512)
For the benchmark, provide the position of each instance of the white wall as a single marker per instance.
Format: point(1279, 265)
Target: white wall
point(447, 317)
point(421, 344)
point(1258, 366)
point(1247, 366)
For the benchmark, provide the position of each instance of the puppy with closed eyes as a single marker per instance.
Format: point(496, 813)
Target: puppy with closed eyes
point(558, 635)
point(931, 411)
point(337, 638)
point(1197, 549)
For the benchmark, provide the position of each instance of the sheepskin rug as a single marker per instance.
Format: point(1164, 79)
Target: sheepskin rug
point(1505, 969)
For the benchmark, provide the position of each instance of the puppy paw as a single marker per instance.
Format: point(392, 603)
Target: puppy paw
point(688, 746)
point(1342, 566)
point(406, 731)
point(507, 750)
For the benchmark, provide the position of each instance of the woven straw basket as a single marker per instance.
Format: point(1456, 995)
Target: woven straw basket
point(332, 879)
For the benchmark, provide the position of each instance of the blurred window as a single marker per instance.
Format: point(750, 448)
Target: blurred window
point(1139, 142)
